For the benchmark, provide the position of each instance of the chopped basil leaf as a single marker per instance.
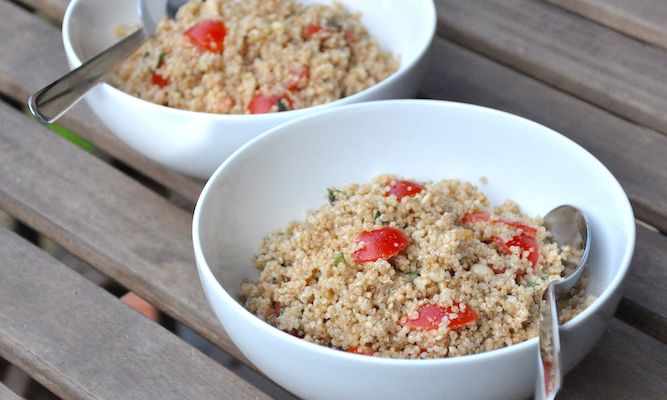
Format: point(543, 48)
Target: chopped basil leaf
point(160, 59)
point(332, 196)
point(533, 283)
point(282, 310)
point(340, 258)
point(377, 214)
point(281, 105)
point(332, 23)
point(146, 54)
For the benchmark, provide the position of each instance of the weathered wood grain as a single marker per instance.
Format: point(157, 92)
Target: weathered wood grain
point(83, 343)
point(626, 364)
point(600, 65)
point(107, 222)
point(5, 393)
point(645, 304)
point(644, 19)
point(635, 155)
point(118, 226)
point(37, 59)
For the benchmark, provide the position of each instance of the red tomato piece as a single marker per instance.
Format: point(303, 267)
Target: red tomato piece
point(159, 80)
point(363, 351)
point(475, 217)
point(525, 240)
point(381, 243)
point(402, 189)
point(349, 36)
point(262, 104)
point(299, 78)
point(430, 316)
point(548, 377)
point(311, 30)
point(208, 35)
point(276, 309)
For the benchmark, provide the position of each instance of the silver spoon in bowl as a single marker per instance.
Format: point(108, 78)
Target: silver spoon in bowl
point(49, 103)
point(568, 227)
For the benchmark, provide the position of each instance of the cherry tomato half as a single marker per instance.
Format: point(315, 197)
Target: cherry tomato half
point(311, 30)
point(402, 189)
point(208, 35)
point(262, 104)
point(363, 351)
point(430, 316)
point(299, 78)
point(381, 243)
point(526, 240)
point(159, 80)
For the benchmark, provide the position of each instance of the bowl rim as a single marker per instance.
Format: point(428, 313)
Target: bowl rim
point(207, 275)
point(431, 18)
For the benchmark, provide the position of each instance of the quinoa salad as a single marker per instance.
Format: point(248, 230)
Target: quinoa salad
point(407, 269)
point(254, 56)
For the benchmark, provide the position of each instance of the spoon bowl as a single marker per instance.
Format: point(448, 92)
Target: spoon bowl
point(568, 227)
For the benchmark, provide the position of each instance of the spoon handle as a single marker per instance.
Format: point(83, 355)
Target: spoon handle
point(52, 101)
point(549, 376)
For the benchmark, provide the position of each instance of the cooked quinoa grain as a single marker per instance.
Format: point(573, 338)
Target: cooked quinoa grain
point(409, 270)
point(254, 56)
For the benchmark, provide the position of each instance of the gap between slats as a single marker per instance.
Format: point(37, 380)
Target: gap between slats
point(82, 343)
point(645, 20)
point(478, 64)
point(569, 52)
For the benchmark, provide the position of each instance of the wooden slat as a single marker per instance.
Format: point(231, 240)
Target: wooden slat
point(5, 393)
point(635, 155)
point(83, 343)
point(645, 304)
point(626, 364)
point(37, 59)
point(121, 228)
point(644, 19)
point(592, 62)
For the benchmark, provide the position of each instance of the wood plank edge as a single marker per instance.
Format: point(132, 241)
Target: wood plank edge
point(7, 394)
point(643, 319)
point(570, 85)
point(211, 330)
point(617, 20)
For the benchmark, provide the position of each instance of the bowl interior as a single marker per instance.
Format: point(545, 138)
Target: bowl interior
point(404, 28)
point(278, 176)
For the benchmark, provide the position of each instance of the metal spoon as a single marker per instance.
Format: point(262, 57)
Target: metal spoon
point(55, 99)
point(568, 227)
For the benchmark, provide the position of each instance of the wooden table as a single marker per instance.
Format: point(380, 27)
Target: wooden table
point(594, 70)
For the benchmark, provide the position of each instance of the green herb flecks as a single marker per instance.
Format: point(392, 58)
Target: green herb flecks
point(281, 105)
point(411, 276)
point(378, 214)
point(332, 195)
point(340, 258)
point(146, 54)
point(333, 24)
point(160, 60)
point(533, 283)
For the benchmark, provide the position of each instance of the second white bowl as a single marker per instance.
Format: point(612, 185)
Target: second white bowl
point(196, 143)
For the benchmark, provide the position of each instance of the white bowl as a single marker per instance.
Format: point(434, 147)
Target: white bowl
point(278, 176)
point(196, 143)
